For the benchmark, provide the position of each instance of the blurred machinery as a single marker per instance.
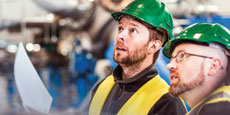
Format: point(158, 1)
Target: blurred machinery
point(70, 42)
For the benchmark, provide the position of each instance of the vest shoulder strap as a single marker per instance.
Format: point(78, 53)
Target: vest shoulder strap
point(101, 95)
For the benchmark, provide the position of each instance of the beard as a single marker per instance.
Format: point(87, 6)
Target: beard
point(180, 87)
point(133, 58)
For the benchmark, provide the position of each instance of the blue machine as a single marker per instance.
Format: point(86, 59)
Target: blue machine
point(223, 20)
point(85, 79)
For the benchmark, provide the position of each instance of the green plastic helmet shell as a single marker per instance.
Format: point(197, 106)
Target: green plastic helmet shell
point(202, 33)
point(152, 12)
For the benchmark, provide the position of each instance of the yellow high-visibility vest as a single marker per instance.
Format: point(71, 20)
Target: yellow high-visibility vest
point(139, 103)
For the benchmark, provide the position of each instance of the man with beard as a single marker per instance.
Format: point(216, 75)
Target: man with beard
point(199, 68)
point(135, 87)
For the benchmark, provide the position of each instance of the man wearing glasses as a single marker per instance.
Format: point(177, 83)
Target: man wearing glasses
point(199, 68)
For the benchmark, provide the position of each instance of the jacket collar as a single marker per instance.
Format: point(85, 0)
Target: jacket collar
point(147, 72)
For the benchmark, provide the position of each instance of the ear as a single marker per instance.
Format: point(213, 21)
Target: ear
point(215, 66)
point(154, 46)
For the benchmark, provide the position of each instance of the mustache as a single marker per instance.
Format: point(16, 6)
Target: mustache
point(120, 44)
point(174, 73)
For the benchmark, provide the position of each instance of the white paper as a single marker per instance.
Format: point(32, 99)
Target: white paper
point(31, 89)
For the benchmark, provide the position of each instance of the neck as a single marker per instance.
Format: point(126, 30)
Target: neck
point(131, 71)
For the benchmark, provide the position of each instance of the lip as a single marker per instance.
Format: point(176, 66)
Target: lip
point(174, 78)
point(120, 48)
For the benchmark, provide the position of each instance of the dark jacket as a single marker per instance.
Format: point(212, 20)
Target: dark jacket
point(217, 103)
point(124, 89)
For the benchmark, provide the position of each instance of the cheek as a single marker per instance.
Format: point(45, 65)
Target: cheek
point(135, 47)
point(138, 43)
point(131, 49)
point(185, 74)
point(132, 44)
point(189, 72)
point(142, 37)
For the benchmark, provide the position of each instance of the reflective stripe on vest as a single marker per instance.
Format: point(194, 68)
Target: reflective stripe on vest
point(183, 102)
point(221, 94)
point(139, 104)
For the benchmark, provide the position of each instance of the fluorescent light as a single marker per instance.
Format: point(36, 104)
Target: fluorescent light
point(37, 47)
point(12, 48)
point(29, 47)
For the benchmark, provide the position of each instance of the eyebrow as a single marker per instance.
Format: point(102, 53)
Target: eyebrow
point(135, 25)
point(177, 52)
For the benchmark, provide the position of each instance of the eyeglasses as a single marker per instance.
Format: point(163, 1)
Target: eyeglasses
point(182, 55)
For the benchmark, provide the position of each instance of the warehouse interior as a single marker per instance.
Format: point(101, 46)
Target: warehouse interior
point(70, 44)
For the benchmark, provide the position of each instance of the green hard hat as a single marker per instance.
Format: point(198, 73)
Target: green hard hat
point(200, 33)
point(151, 12)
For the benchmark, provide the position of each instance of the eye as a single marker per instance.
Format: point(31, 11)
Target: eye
point(120, 29)
point(133, 30)
point(181, 55)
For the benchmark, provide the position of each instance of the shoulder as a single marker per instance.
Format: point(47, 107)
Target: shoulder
point(218, 107)
point(106, 80)
point(96, 87)
point(166, 99)
point(168, 105)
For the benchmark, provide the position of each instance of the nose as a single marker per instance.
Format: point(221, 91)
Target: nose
point(121, 36)
point(172, 66)
point(121, 39)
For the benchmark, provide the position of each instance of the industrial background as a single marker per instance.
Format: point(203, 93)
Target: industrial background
point(70, 43)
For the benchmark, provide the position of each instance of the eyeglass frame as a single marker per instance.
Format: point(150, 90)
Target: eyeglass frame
point(189, 54)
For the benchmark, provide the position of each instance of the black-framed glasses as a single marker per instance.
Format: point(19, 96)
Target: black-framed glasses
point(182, 55)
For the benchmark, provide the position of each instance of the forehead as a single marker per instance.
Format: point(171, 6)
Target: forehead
point(187, 47)
point(130, 21)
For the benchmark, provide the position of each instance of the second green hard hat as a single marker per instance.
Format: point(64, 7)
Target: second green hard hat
point(202, 33)
point(152, 12)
